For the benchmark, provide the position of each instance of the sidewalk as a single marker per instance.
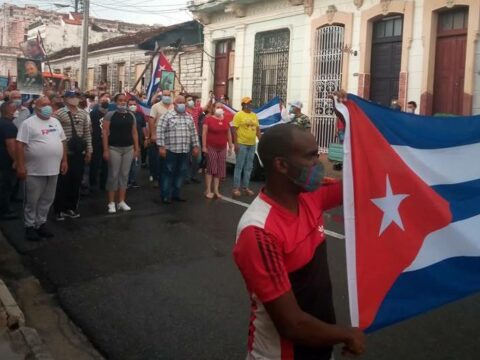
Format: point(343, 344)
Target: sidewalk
point(16, 340)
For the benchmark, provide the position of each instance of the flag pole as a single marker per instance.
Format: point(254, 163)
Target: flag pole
point(155, 53)
point(45, 52)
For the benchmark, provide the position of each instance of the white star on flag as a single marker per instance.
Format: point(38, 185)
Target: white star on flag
point(389, 205)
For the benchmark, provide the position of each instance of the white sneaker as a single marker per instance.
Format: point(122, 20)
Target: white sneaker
point(123, 206)
point(111, 208)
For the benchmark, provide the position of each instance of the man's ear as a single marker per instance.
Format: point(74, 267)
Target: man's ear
point(280, 165)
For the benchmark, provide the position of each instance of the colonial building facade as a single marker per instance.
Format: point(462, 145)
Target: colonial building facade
point(121, 61)
point(421, 50)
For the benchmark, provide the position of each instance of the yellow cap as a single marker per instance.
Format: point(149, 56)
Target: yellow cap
point(246, 100)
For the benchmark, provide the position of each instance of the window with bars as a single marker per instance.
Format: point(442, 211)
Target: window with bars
point(270, 66)
point(327, 78)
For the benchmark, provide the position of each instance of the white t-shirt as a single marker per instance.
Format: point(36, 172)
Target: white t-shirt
point(158, 110)
point(44, 148)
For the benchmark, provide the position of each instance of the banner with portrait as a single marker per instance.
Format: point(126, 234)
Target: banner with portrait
point(29, 76)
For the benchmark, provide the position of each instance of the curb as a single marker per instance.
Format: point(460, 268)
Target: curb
point(12, 319)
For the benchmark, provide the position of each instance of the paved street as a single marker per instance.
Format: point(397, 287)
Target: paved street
point(160, 283)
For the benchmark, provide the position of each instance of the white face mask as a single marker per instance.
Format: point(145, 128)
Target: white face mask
point(132, 108)
point(411, 111)
point(219, 112)
point(190, 104)
point(291, 116)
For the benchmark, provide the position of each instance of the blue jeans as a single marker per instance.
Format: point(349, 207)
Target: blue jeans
point(174, 172)
point(243, 166)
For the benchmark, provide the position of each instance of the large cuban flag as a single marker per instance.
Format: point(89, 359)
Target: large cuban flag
point(412, 211)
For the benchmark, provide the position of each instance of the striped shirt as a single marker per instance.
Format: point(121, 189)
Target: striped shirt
point(176, 132)
point(81, 121)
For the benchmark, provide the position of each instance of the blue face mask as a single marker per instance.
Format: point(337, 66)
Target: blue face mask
point(122, 107)
point(167, 100)
point(310, 178)
point(46, 111)
point(180, 108)
point(17, 102)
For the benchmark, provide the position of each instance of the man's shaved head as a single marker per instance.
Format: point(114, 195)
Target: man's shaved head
point(279, 141)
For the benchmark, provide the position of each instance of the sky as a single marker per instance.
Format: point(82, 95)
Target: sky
point(151, 12)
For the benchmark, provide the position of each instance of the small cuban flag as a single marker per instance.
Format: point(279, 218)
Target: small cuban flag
point(412, 211)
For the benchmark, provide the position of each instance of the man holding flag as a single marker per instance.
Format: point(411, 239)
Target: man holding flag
point(281, 252)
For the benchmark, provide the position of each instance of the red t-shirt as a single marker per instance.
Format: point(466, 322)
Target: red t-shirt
point(278, 251)
point(217, 135)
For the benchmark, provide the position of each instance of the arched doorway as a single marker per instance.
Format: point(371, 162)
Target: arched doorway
point(386, 59)
point(327, 78)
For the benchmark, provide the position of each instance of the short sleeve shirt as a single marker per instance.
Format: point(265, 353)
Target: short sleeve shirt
point(158, 110)
point(217, 134)
point(43, 145)
point(246, 125)
point(278, 251)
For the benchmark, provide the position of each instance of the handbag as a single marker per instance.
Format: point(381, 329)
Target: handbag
point(76, 144)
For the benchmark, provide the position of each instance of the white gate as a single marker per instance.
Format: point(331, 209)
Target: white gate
point(327, 78)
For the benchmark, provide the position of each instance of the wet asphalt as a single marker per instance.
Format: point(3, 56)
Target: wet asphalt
point(160, 283)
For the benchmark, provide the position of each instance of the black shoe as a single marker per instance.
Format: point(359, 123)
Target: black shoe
point(195, 181)
point(9, 216)
point(179, 199)
point(134, 185)
point(166, 201)
point(31, 234)
point(187, 182)
point(43, 232)
point(70, 213)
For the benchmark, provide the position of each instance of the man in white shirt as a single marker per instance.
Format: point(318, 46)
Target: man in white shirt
point(41, 155)
point(22, 112)
point(157, 111)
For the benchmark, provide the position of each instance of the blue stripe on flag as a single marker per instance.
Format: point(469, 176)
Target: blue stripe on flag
point(421, 132)
point(464, 198)
point(418, 291)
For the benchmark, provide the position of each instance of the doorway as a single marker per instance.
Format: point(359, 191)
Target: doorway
point(386, 59)
point(223, 54)
point(450, 57)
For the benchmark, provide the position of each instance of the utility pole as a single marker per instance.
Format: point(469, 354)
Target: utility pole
point(84, 47)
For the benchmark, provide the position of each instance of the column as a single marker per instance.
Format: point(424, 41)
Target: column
point(239, 66)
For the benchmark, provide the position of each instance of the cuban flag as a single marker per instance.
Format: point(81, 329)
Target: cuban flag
point(160, 63)
point(412, 211)
point(268, 115)
point(141, 106)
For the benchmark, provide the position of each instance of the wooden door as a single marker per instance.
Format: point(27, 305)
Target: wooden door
point(386, 59)
point(222, 56)
point(450, 57)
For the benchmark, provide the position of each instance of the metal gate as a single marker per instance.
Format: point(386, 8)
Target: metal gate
point(327, 78)
point(270, 66)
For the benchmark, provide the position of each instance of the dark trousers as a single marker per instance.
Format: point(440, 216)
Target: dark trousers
point(68, 185)
point(98, 166)
point(153, 161)
point(174, 172)
point(7, 179)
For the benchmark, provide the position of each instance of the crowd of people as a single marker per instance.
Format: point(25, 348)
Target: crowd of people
point(62, 146)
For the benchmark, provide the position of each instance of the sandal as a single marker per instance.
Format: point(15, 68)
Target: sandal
point(236, 193)
point(248, 192)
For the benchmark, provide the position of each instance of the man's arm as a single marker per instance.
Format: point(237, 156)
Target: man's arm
point(301, 328)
